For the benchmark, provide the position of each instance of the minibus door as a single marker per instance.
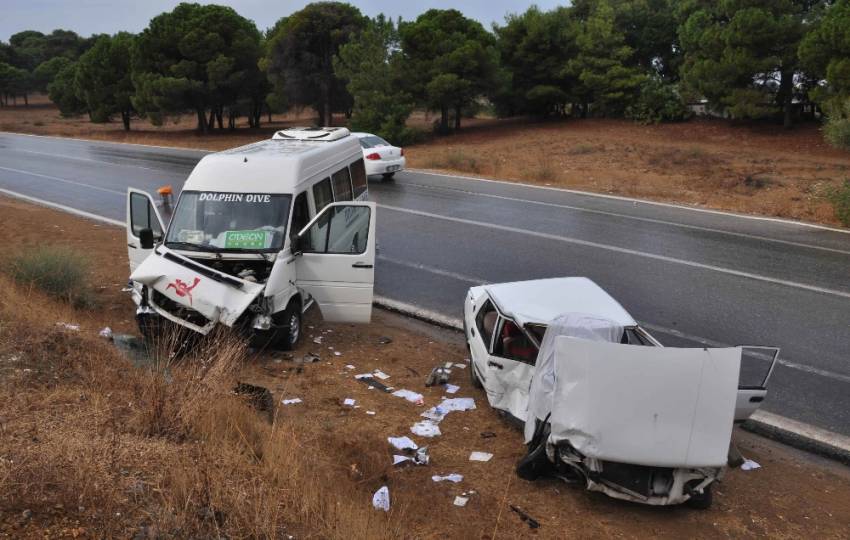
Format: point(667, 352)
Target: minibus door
point(335, 261)
point(142, 216)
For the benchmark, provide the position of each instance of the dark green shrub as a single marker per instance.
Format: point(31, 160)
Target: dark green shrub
point(57, 270)
point(658, 102)
point(837, 128)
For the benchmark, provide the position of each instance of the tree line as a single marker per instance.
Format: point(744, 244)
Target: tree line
point(640, 59)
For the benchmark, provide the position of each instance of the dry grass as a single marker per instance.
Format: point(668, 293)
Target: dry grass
point(169, 449)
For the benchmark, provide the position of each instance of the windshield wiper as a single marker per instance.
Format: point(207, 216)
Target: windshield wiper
point(189, 246)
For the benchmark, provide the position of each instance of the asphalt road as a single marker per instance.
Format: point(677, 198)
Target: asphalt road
point(691, 277)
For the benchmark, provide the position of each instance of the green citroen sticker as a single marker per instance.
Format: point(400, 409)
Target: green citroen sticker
point(247, 240)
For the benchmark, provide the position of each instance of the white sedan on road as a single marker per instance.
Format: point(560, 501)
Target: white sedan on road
point(603, 402)
point(380, 156)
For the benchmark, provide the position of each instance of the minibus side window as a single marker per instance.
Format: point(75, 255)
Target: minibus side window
point(342, 185)
point(358, 177)
point(300, 214)
point(322, 194)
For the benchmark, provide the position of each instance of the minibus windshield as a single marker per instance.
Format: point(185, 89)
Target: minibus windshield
point(218, 221)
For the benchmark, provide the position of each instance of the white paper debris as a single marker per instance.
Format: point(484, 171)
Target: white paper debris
point(291, 401)
point(458, 404)
point(400, 459)
point(317, 340)
point(349, 366)
point(362, 375)
point(461, 366)
point(452, 388)
point(425, 428)
point(749, 465)
point(402, 443)
point(454, 477)
point(380, 374)
point(68, 326)
point(370, 413)
point(106, 333)
point(480, 456)
point(410, 396)
point(461, 501)
point(337, 353)
point(381, 499)
point(349, 402)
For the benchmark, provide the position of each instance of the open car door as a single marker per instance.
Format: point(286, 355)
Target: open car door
point(335, 261)
point(141, 214)
point(757, 364)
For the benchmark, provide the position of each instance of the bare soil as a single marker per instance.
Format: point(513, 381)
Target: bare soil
point(747, 168)
point(75, 464)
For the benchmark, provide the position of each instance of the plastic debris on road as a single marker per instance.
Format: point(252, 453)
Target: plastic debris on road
point(349, 402)
point(292, 401)
point(461, 501)
point(381, 499)
point(452, 388)
point(410, 396)
point(106, 333)
point(480, 456)
point(425, 428)
point(750, 465)
point(402, 443)
point(454, 477)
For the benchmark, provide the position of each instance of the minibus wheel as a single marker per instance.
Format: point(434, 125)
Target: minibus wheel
point(290, 325)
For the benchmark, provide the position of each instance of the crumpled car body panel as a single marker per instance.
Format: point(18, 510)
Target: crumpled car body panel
point(217, 296)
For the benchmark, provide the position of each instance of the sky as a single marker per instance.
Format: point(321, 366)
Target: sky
point(88, 17)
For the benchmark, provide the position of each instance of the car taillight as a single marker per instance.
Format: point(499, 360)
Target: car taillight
point(374, 156)
point(402, 151)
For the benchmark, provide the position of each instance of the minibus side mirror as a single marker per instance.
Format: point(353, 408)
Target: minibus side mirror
point(146, 238)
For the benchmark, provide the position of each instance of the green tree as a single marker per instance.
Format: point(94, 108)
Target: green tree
point(602, 65)
point(371, 65)
point(62, 91)
point(14, 82)
point(103, 80)
point(534, 48)
point(450, 61)
point(46, 71)
point(742, 54)
point(825, 51)
point(196, 57)
point(301, 55)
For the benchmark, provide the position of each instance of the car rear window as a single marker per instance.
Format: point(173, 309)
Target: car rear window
point(372, 141)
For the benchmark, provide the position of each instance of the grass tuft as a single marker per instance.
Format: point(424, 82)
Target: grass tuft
point(58, 271)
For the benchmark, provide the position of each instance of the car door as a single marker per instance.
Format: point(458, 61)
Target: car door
point(335, 261)
point(141, 214)
point(757, 364)
point(511, 367)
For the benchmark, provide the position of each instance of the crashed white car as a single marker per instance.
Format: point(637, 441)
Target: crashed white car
point(603, 402)
point(258, 234)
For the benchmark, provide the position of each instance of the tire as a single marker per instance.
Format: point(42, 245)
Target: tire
point(289, 333)
point(388, 176)
point(701, 501)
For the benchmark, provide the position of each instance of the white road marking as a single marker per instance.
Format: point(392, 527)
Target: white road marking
point(63, 180)
point(439, 271)
point(64, 208)
point(631, 217)
point(617, 249)
point(642, 201)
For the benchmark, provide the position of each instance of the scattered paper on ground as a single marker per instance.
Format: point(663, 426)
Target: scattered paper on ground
point(402, 443)
point(291, 401)
point(425, 428)
point(381, 499)
point(480, 456)
point(410, 396)
point(749, 465)
point(454, 477)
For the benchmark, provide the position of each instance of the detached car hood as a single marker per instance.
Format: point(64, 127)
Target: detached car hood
point(217, 296)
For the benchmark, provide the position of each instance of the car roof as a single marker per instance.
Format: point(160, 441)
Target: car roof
point(277, 165)
point(541, 300)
